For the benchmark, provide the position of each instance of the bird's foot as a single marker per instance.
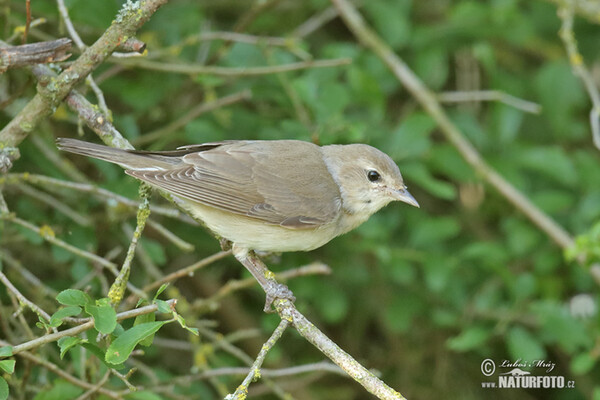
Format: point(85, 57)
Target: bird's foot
point(277, 291)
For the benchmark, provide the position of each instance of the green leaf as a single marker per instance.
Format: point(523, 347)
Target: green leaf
point(522, 344)
point(8, 366)
point(163, 306)
point(160, 290)
point(142, 319)
point(469, 339)
point(6, 351)
point(105, 317)
point(67, 343)
point(121, 348)
point(73, 297)
point(100, 354)
point(57, 318)
point(3, 389)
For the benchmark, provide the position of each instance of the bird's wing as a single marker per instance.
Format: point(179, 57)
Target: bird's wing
point(279, 182)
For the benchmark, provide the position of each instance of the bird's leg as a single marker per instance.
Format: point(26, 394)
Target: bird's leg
point(266, 279)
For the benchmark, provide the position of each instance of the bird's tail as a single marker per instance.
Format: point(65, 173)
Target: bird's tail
point(129, 159)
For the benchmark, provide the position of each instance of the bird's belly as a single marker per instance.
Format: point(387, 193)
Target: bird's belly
point(256, 235)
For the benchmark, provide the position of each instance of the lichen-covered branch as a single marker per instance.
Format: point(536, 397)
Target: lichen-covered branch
point(52, 91)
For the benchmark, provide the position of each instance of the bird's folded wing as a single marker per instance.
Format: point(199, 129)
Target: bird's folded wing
point(249, 179)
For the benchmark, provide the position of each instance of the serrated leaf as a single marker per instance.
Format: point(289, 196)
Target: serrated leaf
point(6, 351)
point(105, 317)
point(67, 343)
point(57, 318)
point(121, 348)
point(73, 297)
point(8, 366)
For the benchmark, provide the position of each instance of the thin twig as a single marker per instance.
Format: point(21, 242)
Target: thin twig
point(315, 268)
point(315, 22)
point(54, 203)
point(104, 194)
point(64, 13)
point(490, 95)
point(242, 391)
point(565, 14)
point(187, 271)
point(63, 374)
point(170, 236)
point(48, 234)
point(415, 86)
point(22, 299)
point(230, 71)
point(191, 115)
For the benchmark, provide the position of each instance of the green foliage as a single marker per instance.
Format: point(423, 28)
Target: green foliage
point(424, 295)
point(123, 345)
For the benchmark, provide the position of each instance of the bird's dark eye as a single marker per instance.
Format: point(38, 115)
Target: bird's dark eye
point(373, 175)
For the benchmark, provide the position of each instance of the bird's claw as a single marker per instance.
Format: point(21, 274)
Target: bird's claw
point(277, 291)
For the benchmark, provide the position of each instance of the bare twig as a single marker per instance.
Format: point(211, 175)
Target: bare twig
point(64, 13)
point(48, 234)
point(34, 53)
point(315, 22)
point(490, 95)
point(63, 374)
point(242, 391)
point(565, 13)
point(22, 299)
point(107, 195)
point(187, 271)
point(315, 268)
point(191, 115)
point(170, 236)
point(229, 71)
point(54, 203)
point(412, 83)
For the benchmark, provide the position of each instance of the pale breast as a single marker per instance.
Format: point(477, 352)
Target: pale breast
point(258, 235)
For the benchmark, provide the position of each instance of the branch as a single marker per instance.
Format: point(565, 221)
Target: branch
point(490, 95)
point(34, 53)
point(242, 391)
point(565, 14)
point(191, 115)
point(415, 86)
point(229, 71)
point(50, 93)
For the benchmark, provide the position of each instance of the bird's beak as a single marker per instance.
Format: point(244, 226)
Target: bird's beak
point(404, 196)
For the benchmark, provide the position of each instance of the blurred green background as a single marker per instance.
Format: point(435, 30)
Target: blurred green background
point(422, 295)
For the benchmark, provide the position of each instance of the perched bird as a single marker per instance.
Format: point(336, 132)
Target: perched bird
point(276, 196)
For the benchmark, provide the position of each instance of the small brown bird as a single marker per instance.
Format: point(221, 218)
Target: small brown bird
point(277, 196)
